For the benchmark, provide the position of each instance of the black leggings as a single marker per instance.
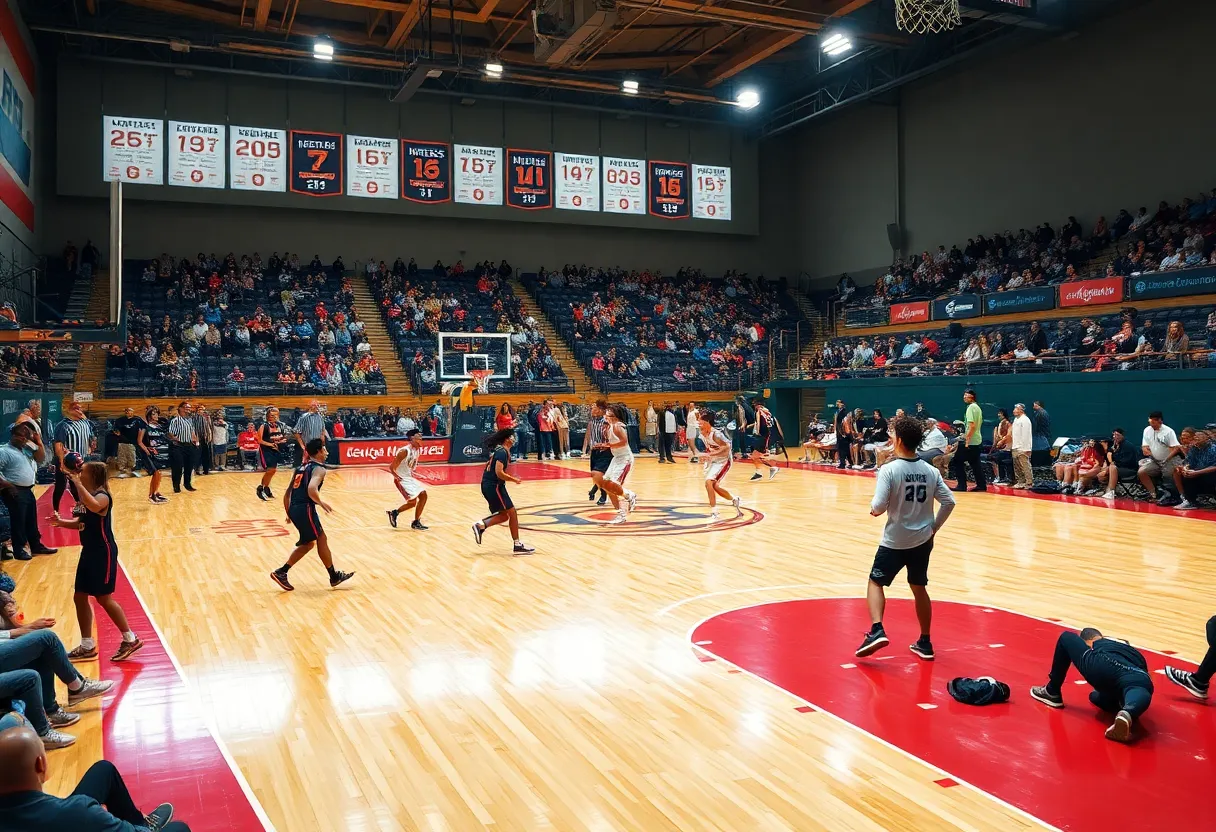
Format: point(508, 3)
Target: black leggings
point(62, 483)
point(103, 783)
point(1208, 666)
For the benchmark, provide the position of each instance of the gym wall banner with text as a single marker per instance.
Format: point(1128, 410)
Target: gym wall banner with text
point(382, 451)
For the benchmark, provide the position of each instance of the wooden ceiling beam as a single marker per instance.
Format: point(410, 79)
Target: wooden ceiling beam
point(261, 14)
point(726, 14)
point(750, 55)
point(405, 24)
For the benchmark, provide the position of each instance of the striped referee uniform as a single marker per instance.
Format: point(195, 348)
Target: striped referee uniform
point(183, 448)
point(601, 458)
point(308, 427)
point(74, 436)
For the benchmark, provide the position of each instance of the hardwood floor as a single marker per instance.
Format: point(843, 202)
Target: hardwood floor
point(451, 686)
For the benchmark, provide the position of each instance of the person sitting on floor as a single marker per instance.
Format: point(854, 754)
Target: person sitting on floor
point(24, 805)
point(1086, 463)
point(1197, 476)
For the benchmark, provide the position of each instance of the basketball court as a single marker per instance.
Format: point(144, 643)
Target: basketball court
point(651, 676)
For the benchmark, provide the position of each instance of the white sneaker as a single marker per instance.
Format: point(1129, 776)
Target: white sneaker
point(53, 739)
point(137, 474)
point(714, 517)
point(1109, 495)
point(1185, 505)
point(620, 518)
point(738, 504)
point(122, 475)
point(772, 472)
point(90, 688)
point(855, 467)
point(632, 498)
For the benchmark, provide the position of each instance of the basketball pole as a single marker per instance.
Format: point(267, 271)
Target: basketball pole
point(115, 251)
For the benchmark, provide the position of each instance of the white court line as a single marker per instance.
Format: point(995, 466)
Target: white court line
point(204, 713)
point(667, 609)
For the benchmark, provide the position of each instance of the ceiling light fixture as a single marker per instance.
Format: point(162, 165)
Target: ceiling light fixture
point(629, 87)
point(835, 44)
point(494, 70)
point(323, 50)
point(747, 99)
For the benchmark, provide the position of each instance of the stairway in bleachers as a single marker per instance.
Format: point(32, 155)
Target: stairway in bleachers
point(395, 380)
point(561, 352)
point(91, 368)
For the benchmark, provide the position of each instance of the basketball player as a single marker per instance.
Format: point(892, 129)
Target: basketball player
point(300, 502)
point(762, 431)
point(596, 449)
point(691, 431)
point(410, 487)
point(717, 464)
point(97, 572)
point(906, 489)
point(270, 450)
point(494, 489)
point(613, 480)
point(149, 436)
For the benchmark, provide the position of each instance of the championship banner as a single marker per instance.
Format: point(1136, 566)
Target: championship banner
point(1091, 292)
point(1034, 299)
point(478, 174)
point(257, 159)
point(668, 182)
point(316, 163)
point(529, 179)
point(196, 154)
point(576, 185)
point(382, 451)
point(17, 119)
point(371, 167)
point(426, 171)
point(959, 306)
point(909, 313)
point(1200, 281)
point(134, 150)
point(710, 192)
point(624, 190)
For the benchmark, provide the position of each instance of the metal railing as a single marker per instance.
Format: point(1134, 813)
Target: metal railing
point(164, 388)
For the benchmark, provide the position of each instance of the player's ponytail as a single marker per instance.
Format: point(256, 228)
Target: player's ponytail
point(497, 438)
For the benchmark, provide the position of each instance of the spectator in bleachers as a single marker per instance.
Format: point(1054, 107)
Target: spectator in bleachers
point(1000, 456)
point(1196, 477)
point(1162, 453)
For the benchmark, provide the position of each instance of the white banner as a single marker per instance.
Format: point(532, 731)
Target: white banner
point(134, 150)
point(478, 174)
point(624, 186)
point(371, 167)
point(577, 182)
point(258, 159)
point(710, 192)
point(196, 155)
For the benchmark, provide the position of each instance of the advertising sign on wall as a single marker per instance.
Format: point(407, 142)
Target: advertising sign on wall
point(382, 451)
point(1173, 284)
point(1020, 300)
point(955, 307)
point(1092, 292)
point(910, 313)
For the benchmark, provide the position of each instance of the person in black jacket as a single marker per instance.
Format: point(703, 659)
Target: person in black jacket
point(1117, 672)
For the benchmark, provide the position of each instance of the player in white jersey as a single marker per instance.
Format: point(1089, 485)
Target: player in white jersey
point(692, 431)
point(717, 464)
point(613, 480)
point(907, 487)
point(411, 488)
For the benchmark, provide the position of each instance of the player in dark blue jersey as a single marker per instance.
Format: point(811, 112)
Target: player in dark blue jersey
point(300, 502)
point(97, 571)
point(761, 435)
point(494, 481)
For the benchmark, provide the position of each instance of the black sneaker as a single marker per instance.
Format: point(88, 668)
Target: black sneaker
point(478, 531)
point(159, 817)
point(1051, 700)
point(591, 493)
point(602, 501)
point(1185, 679)
point(923, 648)
point(757, 476)
point(392, 517)
point(418, 527)
point(280, 578)
point(6, 553)
point(872, 643)
point(192, 488)
point(269, 496)
point(522, 548)
point(340, 577)
point(1121, 729)
point(261, 492)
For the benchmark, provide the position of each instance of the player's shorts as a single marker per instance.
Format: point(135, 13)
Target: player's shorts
point(888, 562)
point(618, 469)
point(497, 497)
point(97, 572)
point(717, 469)
point(147, 461)
point(269, 457)
point(757, 444)
point(600, 460)
point(307, 523)
point(409, 487)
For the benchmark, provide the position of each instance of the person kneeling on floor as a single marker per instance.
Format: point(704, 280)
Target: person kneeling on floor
point(1117, 672)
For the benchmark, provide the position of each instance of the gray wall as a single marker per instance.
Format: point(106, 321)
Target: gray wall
point(1121, 115)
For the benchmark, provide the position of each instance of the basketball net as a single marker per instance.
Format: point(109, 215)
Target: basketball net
point(924, 17)
point(482, 379)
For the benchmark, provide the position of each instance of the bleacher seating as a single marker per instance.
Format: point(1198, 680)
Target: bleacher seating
point(417, 305)
point(323, 348)
point(642, 331)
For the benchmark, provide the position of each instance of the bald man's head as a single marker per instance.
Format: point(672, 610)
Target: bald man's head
point(22, 761)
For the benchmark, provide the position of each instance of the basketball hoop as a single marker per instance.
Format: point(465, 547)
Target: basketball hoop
point(482, 379)
point(924, 17)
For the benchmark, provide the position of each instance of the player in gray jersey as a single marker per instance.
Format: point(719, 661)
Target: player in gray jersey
point(906, 489)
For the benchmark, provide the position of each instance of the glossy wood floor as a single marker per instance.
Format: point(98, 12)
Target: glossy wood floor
point(451, 686)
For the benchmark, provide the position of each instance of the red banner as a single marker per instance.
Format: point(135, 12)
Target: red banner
point(910, 313)
point(1092, 292)
point(382, 451)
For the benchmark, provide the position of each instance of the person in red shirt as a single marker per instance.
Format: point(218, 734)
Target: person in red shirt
point(247, 442)
point(339, 429)
point(547, 430)
point(932, 349)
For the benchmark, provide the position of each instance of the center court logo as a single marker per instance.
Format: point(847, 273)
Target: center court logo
point(644, 521)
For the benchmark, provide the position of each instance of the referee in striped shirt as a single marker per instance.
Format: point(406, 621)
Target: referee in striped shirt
point(308, 427)
point(596, 445)
point(183, 448)
point(73, 434)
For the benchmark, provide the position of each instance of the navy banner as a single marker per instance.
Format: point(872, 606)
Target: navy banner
point(958, 306)
point(529, 179)
point(669, 190)
point(426, 171)
point(1033, 299)
point(1200, 281)
point(316, 163)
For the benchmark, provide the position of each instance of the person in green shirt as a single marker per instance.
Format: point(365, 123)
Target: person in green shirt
point(969, 447)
